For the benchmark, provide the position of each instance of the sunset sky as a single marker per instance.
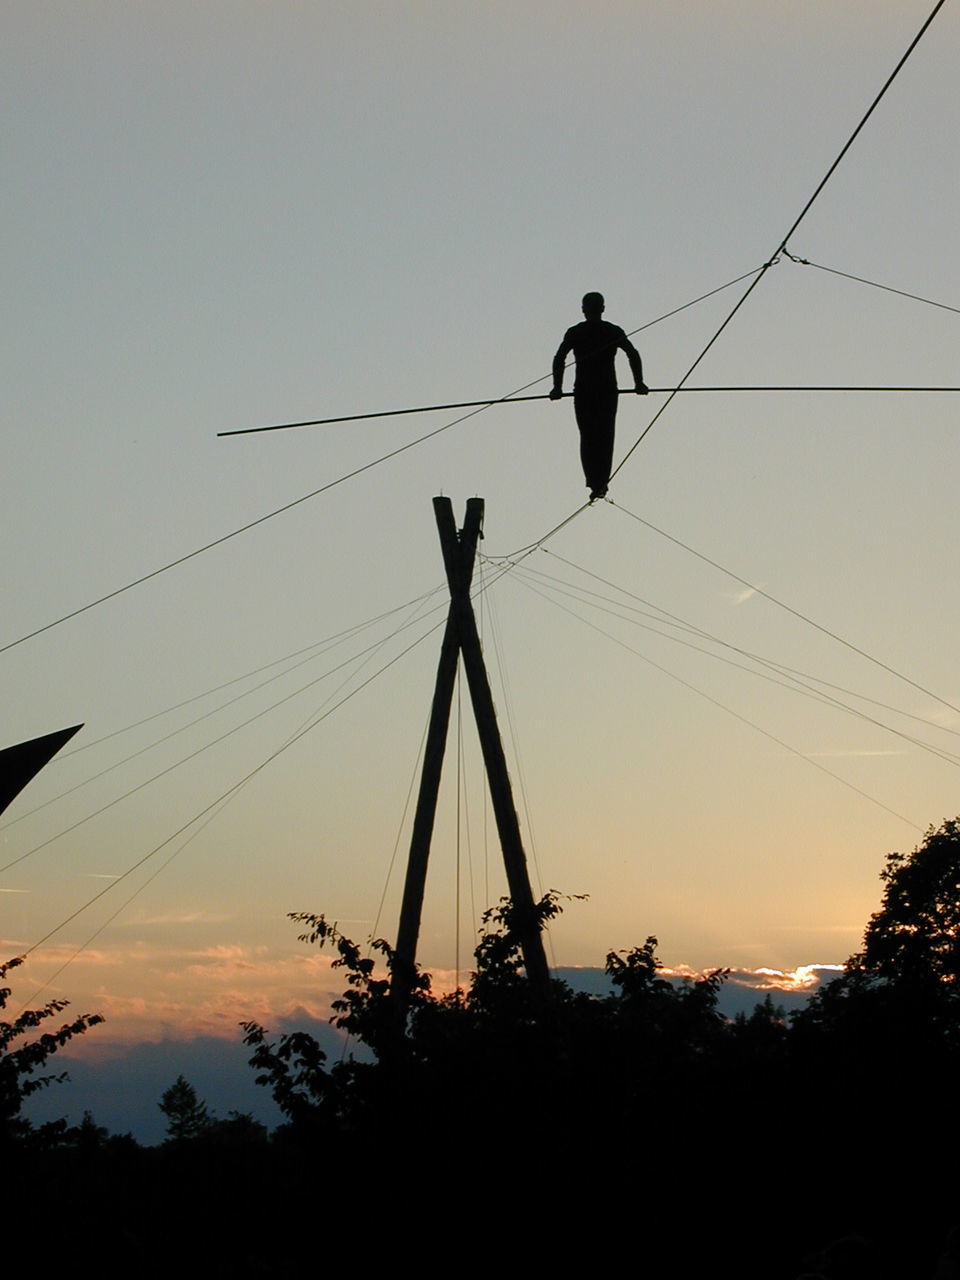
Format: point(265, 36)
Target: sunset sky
point(228, 214)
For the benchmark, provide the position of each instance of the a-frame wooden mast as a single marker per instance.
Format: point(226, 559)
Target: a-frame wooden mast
point(461, 637)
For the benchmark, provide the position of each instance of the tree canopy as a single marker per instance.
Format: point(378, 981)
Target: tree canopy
point(641, 1111)
point(915, 936)
point(187, 1115)
point(22, 1054)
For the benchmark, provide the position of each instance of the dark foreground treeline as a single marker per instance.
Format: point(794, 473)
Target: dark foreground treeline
point(498, 1131)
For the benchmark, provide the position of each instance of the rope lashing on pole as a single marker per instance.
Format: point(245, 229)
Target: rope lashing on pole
point(624, 391)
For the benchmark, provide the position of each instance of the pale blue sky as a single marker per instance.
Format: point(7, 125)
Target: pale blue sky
point(225, 214)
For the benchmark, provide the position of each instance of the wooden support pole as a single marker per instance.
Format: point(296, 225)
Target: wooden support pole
point(460, 635)
point(501, 792)
point(411, 907)
point(458, 560)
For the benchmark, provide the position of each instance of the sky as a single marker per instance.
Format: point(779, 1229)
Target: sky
point(225, 215)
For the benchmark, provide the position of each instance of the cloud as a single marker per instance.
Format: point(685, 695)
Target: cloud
point(842, 755)
point(222, 969)
point(227, 952)
point(943, 717)
point(848, 929)
point(683, 971)
point(174, 918)
point(150, 993)
point(134, 1019)
point(742, 988)
point(806, 977)
point(741, 597)
point(121, 1084)
point(58, 955)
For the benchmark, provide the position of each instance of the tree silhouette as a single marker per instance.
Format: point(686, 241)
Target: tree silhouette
point(915, 936)
point(897, 1003)
point(187, 1116)
point(21, 1057)
point(498, 1042)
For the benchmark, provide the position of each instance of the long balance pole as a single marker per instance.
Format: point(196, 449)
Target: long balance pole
point(623, 391)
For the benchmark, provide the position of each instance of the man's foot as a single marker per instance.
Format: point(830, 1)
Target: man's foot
point(597, 494)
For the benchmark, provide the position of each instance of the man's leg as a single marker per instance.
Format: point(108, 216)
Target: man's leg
point(606, 424)
point(596, 418)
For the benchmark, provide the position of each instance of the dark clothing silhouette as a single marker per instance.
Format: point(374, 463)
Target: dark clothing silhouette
point(596, 419)
point(594, 344)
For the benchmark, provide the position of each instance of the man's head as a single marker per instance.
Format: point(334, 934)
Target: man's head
point(593, 305)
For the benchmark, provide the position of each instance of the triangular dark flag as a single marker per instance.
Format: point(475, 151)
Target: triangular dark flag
point(21, 763)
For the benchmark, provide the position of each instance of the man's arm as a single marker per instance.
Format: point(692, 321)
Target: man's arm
point(636, 364)
point(559, 364)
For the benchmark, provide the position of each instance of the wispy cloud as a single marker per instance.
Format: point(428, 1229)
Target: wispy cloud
point(855, 929)
point(231, 951)
point(804, 977)
point(741, 597)
point(174, 918)
point(150, 993)
point(943, 717)
point(839, 755)
point(54, 956)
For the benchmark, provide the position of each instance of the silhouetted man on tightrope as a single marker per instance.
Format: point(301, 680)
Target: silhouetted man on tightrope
point(594, 344)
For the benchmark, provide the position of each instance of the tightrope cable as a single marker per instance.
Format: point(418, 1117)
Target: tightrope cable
point(775, 256)
point(313, 653)
point(805, 262)
point(475, 407)
point(566, 395)
point(512, 397)
point(729, 710)
point(328, 641)
point(793, 683)
point(665, 616)
point(355, 658)
point(782, 605)
point(230, 790)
